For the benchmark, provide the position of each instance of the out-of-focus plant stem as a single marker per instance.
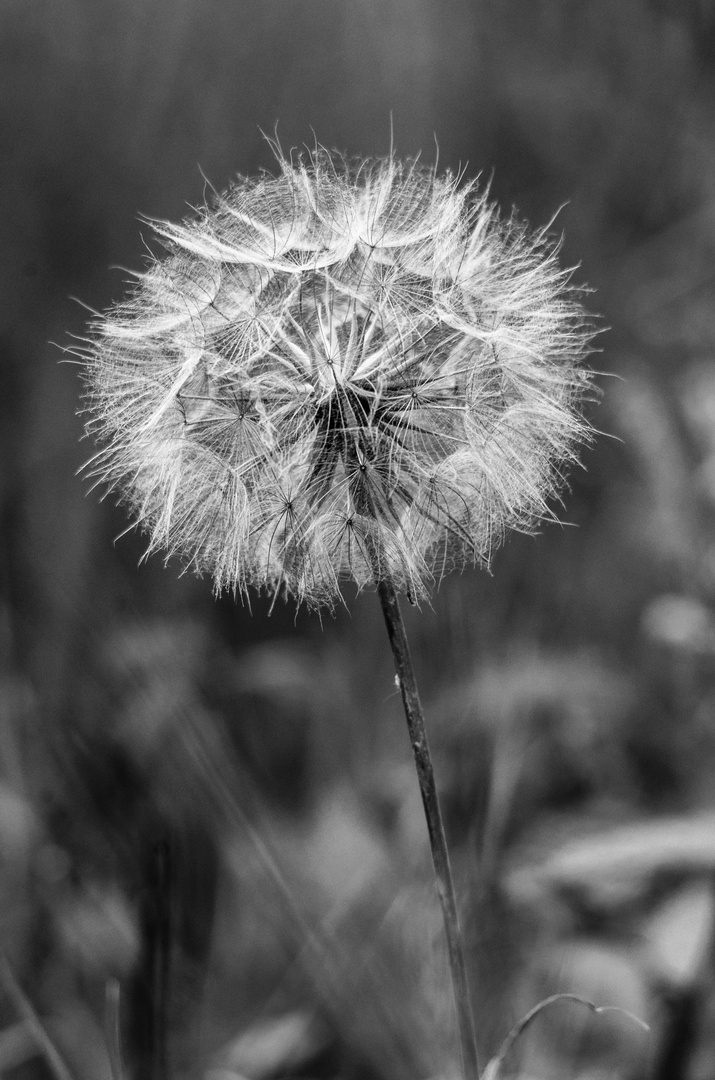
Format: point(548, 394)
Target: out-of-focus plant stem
point(27, 1012)
point(435, 826)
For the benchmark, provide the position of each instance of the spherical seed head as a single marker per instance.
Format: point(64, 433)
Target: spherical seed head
point(340, 372)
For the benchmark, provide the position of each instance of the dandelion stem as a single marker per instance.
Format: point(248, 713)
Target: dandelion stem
point(435, 826)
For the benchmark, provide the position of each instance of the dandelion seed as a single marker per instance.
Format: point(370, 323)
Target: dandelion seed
point(337, 373)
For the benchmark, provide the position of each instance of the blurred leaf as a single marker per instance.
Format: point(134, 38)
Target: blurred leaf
point(19, 826)
point(17, 1046)
point(680, 622)
point(679, 934)
point(276, 1046)
point(609, 868)
point(343, 854)
point(99, 931)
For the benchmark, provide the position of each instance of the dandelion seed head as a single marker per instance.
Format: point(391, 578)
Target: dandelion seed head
point(339, 372)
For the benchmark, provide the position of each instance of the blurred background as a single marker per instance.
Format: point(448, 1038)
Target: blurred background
point(213, 861)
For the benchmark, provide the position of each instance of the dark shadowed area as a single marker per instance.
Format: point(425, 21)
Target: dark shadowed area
point(213, 861)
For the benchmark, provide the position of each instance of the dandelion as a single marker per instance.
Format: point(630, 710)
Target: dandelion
point(343, 372)
point(339, 373)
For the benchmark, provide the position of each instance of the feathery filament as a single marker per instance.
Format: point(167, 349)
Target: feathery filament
point(341, 372)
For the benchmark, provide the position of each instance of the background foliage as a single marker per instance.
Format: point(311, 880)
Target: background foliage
point(210, 836)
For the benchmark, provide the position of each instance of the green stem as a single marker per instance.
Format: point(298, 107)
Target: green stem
point(438, 841)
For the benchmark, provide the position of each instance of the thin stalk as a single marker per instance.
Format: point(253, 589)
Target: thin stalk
point(435, 826)
point(35, 1026)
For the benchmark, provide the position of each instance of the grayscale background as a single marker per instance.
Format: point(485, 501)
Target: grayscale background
point(157, 743)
